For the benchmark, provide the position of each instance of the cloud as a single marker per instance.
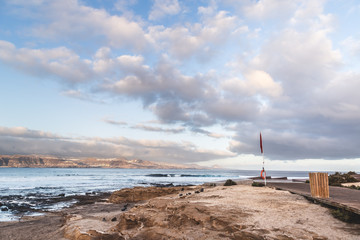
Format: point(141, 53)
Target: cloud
point(289, 145)
point(352, 45)
point(162, 8)
point(257, 82)
point(26, 133)
point(113, 122)
point(71, 20)
point(159, 129)
point(207, 133)
point(20, 140)
point(290, 80)
point(201, 39)
point(286, 58)
point(265, 10)
point(60, 62)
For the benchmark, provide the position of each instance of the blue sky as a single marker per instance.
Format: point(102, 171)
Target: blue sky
point(183, 81)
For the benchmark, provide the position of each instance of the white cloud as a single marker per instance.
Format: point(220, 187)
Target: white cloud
point(162, 8)
point(265, 9)
point(23, 132)
point(352, 45)
point(256, 82)
point(60, 62)
point(69, 19)
point(287, 56)
point(199, 39)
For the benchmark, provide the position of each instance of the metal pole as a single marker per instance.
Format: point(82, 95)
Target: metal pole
point(264, 166)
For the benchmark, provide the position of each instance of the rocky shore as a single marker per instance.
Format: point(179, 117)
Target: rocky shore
point(197, 212)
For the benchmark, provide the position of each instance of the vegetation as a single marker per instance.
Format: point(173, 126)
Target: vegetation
point(345, 216)
point(354, 187)
point(258, 184)
point(229, 182)
point(337, 178)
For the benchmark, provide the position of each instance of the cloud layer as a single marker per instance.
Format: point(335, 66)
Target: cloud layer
point(20, 140)
point(248, 66)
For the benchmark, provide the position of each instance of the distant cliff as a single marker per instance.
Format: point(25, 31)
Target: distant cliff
point(24, 161)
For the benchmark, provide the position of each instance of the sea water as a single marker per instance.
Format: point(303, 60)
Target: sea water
point(33, 188)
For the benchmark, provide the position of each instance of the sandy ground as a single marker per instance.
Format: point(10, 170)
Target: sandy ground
point(235, 212)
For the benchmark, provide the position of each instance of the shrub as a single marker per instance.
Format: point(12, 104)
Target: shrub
point(337, 178)
point(229, 182)
point(258, 184)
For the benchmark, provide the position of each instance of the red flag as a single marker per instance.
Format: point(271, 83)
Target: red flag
point(261, 148)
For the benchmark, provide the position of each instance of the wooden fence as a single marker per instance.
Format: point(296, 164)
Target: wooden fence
point(319, 185)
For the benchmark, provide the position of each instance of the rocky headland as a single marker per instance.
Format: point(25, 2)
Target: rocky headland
point(190, 212)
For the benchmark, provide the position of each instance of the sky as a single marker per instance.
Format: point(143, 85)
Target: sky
point(182, 81)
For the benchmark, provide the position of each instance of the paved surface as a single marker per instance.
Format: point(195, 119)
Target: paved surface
point(341, 197)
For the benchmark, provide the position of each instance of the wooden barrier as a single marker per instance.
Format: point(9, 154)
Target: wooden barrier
point(319, 185)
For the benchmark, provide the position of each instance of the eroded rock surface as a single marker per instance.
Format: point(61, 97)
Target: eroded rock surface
point(137, 194)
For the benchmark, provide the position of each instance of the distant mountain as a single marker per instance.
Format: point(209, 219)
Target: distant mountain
point(34, 161)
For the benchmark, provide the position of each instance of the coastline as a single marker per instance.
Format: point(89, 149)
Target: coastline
point(197, 212)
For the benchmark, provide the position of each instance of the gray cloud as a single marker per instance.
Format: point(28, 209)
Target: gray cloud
point(159, 129)
point(113, 122)
point(26, 141)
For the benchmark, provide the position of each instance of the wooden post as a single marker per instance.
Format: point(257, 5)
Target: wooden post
point(319, 185)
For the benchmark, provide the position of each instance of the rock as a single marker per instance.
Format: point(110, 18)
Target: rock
point(113, 219)
point(138, 194)
point(125, 207)
point(4, 209)
point(94, 235)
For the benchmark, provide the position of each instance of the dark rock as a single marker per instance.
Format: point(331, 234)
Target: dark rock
point(124, 207)
point(180, 195)
point(113, 219)
point(202, 190)
point(197, 191)
point(4, 209)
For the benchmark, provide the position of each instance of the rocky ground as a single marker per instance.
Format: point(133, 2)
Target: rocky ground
point(234, 212)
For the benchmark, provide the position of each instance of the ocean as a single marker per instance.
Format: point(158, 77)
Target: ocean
point(31, 191)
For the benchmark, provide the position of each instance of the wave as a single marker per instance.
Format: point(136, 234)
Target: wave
point(181, 175)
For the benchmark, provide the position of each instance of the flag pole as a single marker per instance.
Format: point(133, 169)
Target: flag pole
point(262, 152)
point(264, 166)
